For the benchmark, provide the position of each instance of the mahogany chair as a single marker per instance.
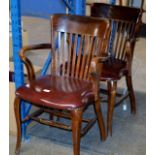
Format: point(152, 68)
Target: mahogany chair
point(125, 23)
point(74, 80)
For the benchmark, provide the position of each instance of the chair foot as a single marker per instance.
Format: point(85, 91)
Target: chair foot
point(112, 86)
point(131, 94)
point(101, 124)
point(76, 129)
point(17, 103)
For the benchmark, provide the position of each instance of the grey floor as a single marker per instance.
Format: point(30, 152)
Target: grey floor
point(128, 130)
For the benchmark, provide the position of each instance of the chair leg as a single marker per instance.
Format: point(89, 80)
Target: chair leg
point(17, 103)
point(131, 94)
point(101, 124)
point(112, 87)
point(76, 128)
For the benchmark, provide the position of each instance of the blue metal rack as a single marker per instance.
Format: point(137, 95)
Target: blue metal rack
point(112, 1)
point(74, 6)
point(17, 44)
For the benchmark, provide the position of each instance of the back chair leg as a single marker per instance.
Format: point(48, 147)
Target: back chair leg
point(101, 124)
point(76, 129)
point(112, 87)
point(17, 103)
point(131, 94)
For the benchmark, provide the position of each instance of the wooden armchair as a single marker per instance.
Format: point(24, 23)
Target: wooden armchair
point(74, 80)
point(125, 23)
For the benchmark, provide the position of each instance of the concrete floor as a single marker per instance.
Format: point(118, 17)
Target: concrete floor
point(39, 32)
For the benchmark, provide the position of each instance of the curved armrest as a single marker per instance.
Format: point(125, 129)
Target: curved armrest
point(33, 47)
point(27, 62)
point(95, 70)
point(94, 67)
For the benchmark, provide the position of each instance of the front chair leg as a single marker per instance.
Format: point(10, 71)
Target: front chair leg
point(131, 94)
point(17, 103)
point(76, 129)
point(99, 115)
point(112, 87)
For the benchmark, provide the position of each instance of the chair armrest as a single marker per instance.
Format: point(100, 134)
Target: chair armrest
point(95, 70)
point(95, 62)
point(27, 62)
point(32, 47)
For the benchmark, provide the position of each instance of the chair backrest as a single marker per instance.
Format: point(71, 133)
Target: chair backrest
point(75, 40)
point(124, 22)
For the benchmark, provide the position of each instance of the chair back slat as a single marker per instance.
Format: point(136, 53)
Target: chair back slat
point(88, 58)
point(74, 54)
point(122, 38)
point(69, 54)
point(76, 47)
point(123, 23)
point(79, 59)
point(84, 57)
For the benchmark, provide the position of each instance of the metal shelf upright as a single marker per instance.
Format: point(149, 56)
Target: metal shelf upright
point(17, 44)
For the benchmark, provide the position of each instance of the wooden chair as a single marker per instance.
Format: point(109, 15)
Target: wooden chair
point(125, 23)
point(74, 80)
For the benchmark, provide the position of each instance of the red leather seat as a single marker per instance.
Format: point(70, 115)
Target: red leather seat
point(57, 92)
point(113, 69)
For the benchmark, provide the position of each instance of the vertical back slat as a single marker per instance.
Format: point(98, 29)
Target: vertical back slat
point(87, 65)
point(118, 38)
point(79, 56)
point(99, 46)
point(64, 53)
point(69, 54)
point(74, 54)
point(59, 54)
point(95, 42)
point(84, 56)
point(53, 53)
point(115, 38)
point(128, 33)
point(121, 39)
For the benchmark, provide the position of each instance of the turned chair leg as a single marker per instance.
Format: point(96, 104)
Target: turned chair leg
point(112, 87)
point(101, 124)
point(17, 103)
point(76, 128)
point(131, 94)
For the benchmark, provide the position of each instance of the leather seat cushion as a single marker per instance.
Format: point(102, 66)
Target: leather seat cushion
point(113, 69)
point(57, 92)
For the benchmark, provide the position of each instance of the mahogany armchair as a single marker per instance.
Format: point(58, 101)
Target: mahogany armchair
point(125, 24)
point(73, 84)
